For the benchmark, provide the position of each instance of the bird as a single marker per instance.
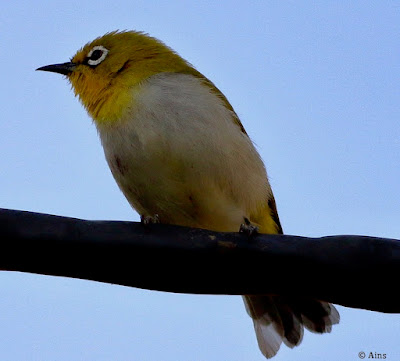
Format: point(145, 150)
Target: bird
point(180, 155)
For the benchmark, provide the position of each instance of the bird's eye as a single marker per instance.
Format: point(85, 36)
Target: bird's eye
point(96, 55)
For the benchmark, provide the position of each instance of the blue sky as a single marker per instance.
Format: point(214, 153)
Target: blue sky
point(317, 88)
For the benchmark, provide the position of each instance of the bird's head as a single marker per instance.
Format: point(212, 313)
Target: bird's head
point(105, 71)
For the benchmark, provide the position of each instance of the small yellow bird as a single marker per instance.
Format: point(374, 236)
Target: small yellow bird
point(180, 155)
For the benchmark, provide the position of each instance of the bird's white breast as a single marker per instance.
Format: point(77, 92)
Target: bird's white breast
point(177, 152)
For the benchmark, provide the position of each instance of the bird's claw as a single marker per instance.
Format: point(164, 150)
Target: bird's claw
point(248, 228)
point(148, 220)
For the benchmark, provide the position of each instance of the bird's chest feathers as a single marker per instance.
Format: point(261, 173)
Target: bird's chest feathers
point(170, 119)
point(134, 153)
point(178, 151)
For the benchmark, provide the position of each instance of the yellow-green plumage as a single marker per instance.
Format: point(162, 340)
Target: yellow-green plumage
point(177, 150)
point(111, 89)
point(136, 55)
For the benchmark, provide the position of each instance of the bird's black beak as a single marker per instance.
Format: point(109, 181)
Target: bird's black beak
point(64, 68)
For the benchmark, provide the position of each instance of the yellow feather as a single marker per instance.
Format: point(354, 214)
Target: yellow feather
point(177, 149)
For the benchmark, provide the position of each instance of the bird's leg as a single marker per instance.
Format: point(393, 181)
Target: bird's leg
point(148, 220)
point(248, 228)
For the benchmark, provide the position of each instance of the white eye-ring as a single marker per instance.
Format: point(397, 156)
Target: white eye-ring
point(96, 55)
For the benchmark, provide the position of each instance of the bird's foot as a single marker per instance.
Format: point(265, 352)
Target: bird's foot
point(148, 220)
point(248, 228)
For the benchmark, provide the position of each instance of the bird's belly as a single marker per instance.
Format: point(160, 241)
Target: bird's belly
point(178, 192)
point(179, 152)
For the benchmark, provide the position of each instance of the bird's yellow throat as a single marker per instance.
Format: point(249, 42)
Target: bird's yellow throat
point(107, 89)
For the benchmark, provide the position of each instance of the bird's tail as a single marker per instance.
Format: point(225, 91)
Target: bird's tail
point(278, 318)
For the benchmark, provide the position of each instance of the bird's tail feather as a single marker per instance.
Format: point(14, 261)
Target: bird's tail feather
point(278, 318)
